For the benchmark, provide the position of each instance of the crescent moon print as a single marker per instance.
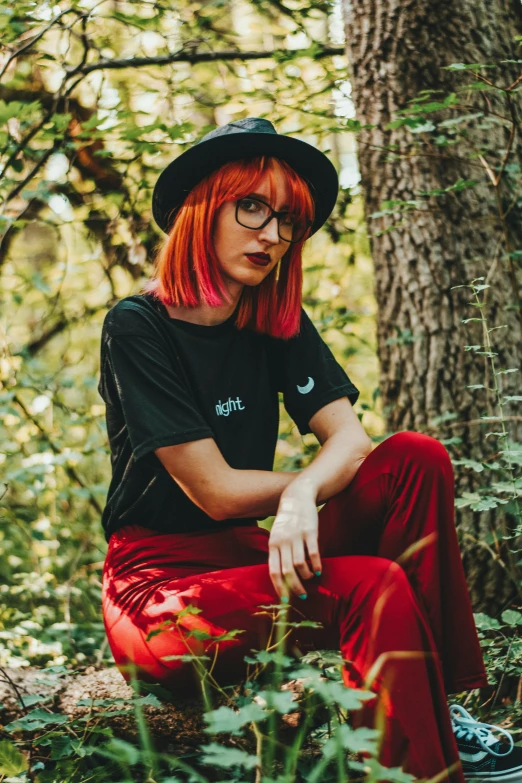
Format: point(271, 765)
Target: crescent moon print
point(307, 388)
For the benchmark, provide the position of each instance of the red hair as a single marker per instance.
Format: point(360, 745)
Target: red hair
point(187, 271)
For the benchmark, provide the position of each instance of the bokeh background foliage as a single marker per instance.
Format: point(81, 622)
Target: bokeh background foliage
point(95, 98)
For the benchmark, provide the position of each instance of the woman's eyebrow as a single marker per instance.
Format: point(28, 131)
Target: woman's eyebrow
point(264, 198)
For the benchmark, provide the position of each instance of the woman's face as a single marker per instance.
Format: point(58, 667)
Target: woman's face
point(234, 243)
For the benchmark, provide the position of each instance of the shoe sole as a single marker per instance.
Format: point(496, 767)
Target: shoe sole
point(515, 776)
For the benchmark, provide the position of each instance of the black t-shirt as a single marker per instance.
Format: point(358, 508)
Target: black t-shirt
point(167, 381)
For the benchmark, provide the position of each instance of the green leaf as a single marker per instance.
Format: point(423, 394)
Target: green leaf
point(347, 698)
point(220, 756)
point(141, 22)
point(298, 624)
point(467, 67)
point(61, 122)
point(422, 127)
point(228, 720)
point(425, 108)
point(12, 762)
point(35, 720)
point(281, 701)
point(150, 700)
point(478, 467)
point(447, 416)
point(512, 617)
point(120, 751)
point(486, 623)
point(391, 774)
point(513, 398)
point(453, 121)
point(142, 688)
point(202, 635)
point(487, 502)
point(163, 627)
point(61, 747)
point(265, 657)
point(354, 740)
point(81, 749)
point(100, 702)
point(394, 124)
point(513, 456)
point(188, 610)
point(33, 698)
point(460, 184)
point(454, 441)
point(9, 110)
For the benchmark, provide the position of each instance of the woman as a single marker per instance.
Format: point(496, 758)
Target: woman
point(190, 375)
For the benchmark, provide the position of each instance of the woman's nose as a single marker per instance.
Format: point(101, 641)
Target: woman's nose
point(271, 231)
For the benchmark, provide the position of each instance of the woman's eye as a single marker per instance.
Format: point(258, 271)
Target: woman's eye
point(249, 205)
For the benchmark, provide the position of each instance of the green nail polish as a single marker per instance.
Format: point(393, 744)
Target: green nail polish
point(303, 596)
point(318, 573)
point(284, 599)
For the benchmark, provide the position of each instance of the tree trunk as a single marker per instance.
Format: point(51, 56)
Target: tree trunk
point(398, 48)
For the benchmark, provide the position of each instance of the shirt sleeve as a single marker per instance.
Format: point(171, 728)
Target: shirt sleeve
point(154, 395)
point(310, 376)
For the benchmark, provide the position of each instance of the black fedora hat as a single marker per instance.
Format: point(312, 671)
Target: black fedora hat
point(246, 138)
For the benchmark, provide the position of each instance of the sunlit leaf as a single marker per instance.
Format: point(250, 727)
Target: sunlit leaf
point(12, 761)
point(486, 623)
point(225, 719)
point(220, 756)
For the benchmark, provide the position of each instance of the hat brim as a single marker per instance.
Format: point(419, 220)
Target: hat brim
point(180, 177)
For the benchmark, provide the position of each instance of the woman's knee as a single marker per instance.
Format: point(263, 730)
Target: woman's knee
point(418, 447)
point(365, 579)
point(394, 590)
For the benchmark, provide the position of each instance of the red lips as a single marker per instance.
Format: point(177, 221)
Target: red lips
point(260, 259)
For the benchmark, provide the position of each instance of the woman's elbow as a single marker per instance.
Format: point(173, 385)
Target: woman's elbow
point(218, 506)
point(218, 513)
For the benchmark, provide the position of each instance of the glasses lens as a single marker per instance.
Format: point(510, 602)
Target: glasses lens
point(291, 229)
point(252, 213)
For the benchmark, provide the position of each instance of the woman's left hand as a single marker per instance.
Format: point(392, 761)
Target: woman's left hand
point(293, 537)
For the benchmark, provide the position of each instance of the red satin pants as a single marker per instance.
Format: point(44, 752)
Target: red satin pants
point(392, 597)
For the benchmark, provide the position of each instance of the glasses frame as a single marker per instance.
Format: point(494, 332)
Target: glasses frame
point(273, 214)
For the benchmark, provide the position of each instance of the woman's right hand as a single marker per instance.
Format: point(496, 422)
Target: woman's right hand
point(294, 539)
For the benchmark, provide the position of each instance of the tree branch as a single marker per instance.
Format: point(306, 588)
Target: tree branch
point(188, 56)
point(44, 158)
point(35, 38)
point(57, 328)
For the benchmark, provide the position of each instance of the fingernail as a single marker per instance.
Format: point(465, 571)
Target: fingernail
point(284, 599)
point(318, 573)
point(303, 596)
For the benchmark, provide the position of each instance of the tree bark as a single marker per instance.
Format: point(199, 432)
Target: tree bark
point(396, 49)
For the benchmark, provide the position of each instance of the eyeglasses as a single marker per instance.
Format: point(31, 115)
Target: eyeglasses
point(255, 214)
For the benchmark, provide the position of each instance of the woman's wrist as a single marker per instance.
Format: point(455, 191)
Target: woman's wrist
point(303, 485)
